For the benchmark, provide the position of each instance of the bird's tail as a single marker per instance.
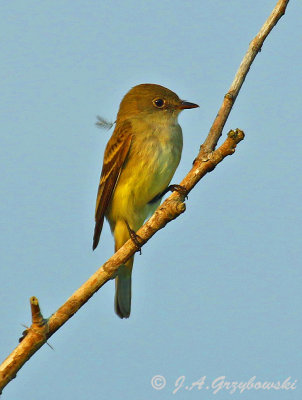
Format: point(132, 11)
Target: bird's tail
point(122, 300)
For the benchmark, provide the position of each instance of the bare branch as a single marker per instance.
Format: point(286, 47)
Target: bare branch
point(32, 339)
point(229, 99)
point(207, 159)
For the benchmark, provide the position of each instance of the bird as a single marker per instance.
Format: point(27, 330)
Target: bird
point(139, 162)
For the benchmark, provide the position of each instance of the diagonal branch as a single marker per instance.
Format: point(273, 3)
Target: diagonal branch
point(229, 99)
point(207, 159)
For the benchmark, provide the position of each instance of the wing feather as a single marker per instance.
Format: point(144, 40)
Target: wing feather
point(114, 159)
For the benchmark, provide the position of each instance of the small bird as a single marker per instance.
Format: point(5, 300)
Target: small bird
point(139, 162)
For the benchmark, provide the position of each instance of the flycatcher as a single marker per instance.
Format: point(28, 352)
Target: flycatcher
point(139, 162)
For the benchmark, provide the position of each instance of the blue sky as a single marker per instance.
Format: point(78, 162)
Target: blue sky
point(216, 293)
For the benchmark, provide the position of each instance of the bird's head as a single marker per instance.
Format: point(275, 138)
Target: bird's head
point(152, 100)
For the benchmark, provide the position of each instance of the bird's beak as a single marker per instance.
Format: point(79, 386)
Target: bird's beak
point(185, 104)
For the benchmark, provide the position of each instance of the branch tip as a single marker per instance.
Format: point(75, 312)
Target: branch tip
point(237, 135)
point(36, 314)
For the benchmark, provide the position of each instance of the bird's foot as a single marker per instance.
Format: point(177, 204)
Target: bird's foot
point(135, 238)
point(178, 188)
point(172, 188)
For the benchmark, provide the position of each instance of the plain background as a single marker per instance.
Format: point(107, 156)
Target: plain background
point(216, 293)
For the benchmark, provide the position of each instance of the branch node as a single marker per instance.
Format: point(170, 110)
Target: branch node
point(175, 208)
point(230, 95)
point(203, 155)
point(181, 208)
point(39, 324)
point(256, 45)
point(207, 156)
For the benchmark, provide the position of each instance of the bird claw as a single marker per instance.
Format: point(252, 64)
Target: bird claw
point(180, 189)
point(135, 238)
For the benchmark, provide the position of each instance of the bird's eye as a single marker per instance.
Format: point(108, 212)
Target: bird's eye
point(159, 103)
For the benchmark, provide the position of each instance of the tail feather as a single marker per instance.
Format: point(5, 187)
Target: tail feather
point(122, 300)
